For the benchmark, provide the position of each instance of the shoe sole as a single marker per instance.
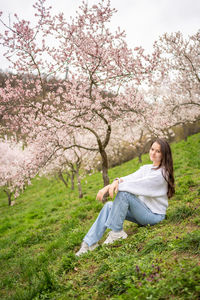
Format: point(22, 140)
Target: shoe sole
point(122, 237)
point(90, 249)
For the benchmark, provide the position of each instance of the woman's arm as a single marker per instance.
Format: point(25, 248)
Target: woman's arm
point(111, 189)
point(102, 192)
point(151, 185)
point(114, 187)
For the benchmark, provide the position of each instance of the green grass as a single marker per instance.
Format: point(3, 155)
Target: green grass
point(41, 233)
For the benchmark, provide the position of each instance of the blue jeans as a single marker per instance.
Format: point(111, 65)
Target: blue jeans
point(126, 206)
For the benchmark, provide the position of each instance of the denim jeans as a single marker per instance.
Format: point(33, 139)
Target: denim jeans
point(126, 206)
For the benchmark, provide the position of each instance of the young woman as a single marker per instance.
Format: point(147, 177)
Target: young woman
point(142, 198)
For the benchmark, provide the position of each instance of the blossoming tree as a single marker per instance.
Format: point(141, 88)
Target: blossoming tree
point(179, 85)
point(18, 167)
point(96, 64)
point(69, 161)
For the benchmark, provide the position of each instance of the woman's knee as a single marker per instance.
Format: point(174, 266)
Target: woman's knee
point(108, 204)
point(122, 194)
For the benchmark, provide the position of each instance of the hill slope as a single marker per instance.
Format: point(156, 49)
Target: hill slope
point(40, 234)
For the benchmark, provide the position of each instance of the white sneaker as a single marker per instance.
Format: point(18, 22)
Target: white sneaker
point(114, 236)
point(85, 248)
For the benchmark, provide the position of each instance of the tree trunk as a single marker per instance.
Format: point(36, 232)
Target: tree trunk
point(79, 184)
point(72, 180)
point(61, 177)
point(140, 157)
point(104, 167)
point(9, 195)
point(185, 133)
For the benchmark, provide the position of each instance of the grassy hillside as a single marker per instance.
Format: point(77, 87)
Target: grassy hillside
point(40, 234)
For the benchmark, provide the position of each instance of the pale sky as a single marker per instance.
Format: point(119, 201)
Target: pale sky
point(143, 20)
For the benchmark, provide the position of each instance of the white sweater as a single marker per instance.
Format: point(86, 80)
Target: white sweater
point(149, 185)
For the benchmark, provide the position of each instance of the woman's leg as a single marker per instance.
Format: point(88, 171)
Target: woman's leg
point(118, 212)
point(128, 206)
point(111, 216)
point(98, 228)
point(139, 213)
point(125, 206)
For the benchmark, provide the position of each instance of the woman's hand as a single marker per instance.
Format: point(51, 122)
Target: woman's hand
point(113, 188)
point(102, 192)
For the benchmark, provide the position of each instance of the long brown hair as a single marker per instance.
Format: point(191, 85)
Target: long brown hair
point(167, 165)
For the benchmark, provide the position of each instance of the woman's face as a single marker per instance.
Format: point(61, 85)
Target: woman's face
point(155, 154)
